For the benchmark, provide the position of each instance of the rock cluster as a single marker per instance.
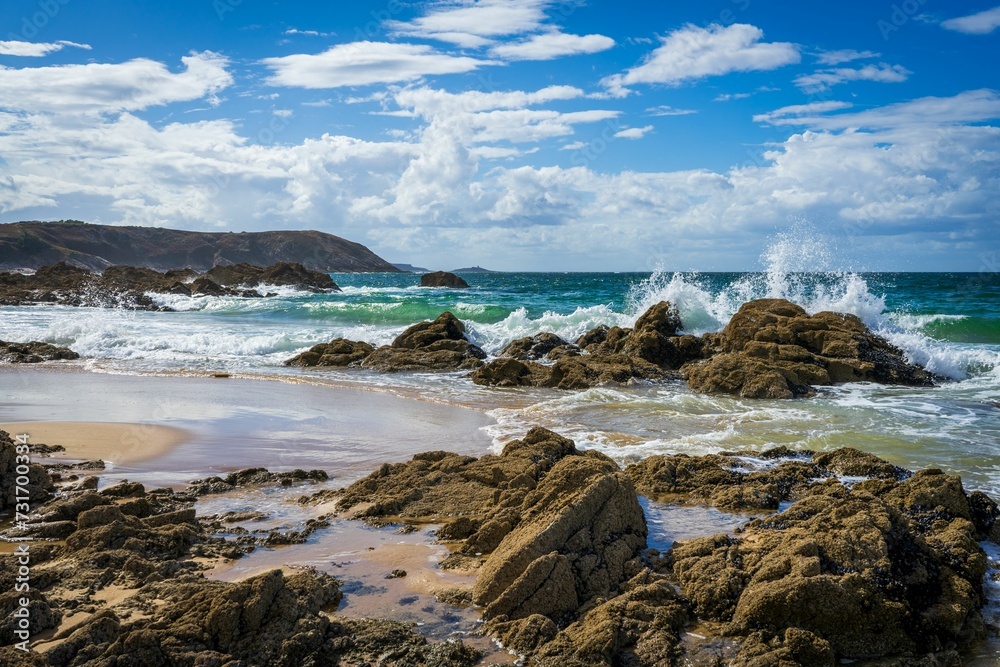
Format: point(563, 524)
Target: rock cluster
point(443, 279)
point(128, 286)
point(33, 353)
point(887, 568)
point(39, 486)
point(144, 542)
point(770, 349)
point(438, 345)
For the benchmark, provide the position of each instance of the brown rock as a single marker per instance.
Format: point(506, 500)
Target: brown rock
point(438, 345)
point(443, 279)
point(540, 346)
point(33, 353)
point(339, 352)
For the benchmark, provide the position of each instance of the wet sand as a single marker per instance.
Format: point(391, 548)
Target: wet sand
point(111, 442)
point(236, 423)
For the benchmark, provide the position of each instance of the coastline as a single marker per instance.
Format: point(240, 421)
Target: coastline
point(111, 442)
point(364, 556)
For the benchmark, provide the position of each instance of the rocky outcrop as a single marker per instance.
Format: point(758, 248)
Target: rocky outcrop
point(438, 345)
point(16, 468)
point(443, 279)
point(886, 568)
point(30, 245)
point(559, 529)
point(339, 352)
point(253, 477)
point(734, 482)
point(33, 353)
point(651, 350)
point(772, 349)
point(128, 286)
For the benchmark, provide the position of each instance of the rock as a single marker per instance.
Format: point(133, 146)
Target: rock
point(642, 626)
point(442, 279)
point(887, 568)
point(339, 352)
point(731, 482)
point(772, 348)
point(648, 352)
point(578, 531)
point(539, 346)
point(17, 476)
point(438, 345)
point(253, 477)
point(283, 273)
point(33, 353)
point(129, 286)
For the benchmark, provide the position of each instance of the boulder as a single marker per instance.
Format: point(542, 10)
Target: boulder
point(339, 352)
point(39, 485)
point(886, 568)
point(772, 348)
point(33, 353)
point(438, 345)
point(540, 346)
point(443, 279)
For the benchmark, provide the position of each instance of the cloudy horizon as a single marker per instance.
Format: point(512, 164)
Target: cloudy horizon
point(517, 134)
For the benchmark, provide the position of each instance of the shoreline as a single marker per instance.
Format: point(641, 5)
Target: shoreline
point(111, 442)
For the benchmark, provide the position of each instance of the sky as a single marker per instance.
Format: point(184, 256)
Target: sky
point(535, 135)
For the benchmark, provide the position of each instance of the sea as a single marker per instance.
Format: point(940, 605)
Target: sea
point(947, 322)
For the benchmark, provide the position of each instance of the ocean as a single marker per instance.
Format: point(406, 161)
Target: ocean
point(948, 322)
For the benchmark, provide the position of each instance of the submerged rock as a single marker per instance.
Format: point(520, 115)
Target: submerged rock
point(33, 353)
point(443, 279)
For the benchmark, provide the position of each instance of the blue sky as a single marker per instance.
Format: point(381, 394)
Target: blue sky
point(518, 134)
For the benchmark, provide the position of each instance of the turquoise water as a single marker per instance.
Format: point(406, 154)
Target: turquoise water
point(949, 323)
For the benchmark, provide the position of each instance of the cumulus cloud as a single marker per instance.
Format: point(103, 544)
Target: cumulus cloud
point(365, 63)
point(36, 49)
point(552, 45)
point(692, 52)
point(823, 80)
point(981, 23)
point(95, 87)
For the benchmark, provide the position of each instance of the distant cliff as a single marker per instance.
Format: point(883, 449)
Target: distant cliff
point(30, 245)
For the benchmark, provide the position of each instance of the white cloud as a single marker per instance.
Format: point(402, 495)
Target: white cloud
point(550, 45)
point(973, 106)
point(844, 56)
point(633, 132)
point(666, 110)
point(474, 23)
point(94, 88)
point(695, 53)
point(309, 33)
point(36, 49)
point(429, 102)
point(790, 115)
point(365, 63)
point(573, 146)
point(823, 80)
point(981, 23)
point(726, 97)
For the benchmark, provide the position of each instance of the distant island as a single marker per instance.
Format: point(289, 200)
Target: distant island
point(473, 269)
point(409, 268)
point(31, 245)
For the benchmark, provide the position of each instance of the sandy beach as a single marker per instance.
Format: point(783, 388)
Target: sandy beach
point(111, 442)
